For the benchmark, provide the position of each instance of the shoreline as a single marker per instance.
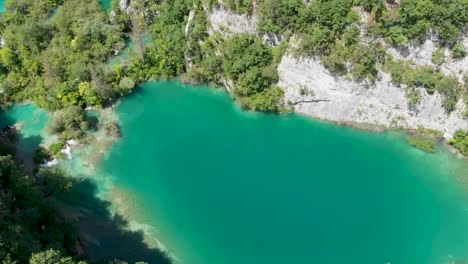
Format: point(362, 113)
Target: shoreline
point(350, 124)
point(119, 204)
point(381, 129)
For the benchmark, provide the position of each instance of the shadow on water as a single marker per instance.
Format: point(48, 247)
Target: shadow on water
point(93, 122)
point(7, 146)
point(25, 150)
point(104, 236)
point(15, 143)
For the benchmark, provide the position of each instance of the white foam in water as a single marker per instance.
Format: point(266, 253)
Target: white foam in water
point(67, 151)
point(150, 232)
point(51, 163)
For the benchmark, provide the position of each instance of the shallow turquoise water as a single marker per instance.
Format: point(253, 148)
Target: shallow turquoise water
point(32, 122)
point(223, 186)
point(2, 6)
point(106, 4)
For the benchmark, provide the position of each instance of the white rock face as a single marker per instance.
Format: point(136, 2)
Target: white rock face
point(187, 26)
point(337, 99)
point(124, 5)
point(227, 22)
point(422, 55)
point(457, 67)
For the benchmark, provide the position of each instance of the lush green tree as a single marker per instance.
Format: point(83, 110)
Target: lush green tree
point(28, 222)
point(52, 49)
point(69, 123)
point(458, 50)
point(52, 256)
point(460, 141)
point(279, 16)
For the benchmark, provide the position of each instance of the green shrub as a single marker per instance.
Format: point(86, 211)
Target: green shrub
point(460, 141)
point(414, 96)
point(69, 123)
point(438, 56)
point(458, 50)
point(425, 144)
point(55, 148)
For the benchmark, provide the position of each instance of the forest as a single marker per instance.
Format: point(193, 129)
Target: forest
point(64, 60)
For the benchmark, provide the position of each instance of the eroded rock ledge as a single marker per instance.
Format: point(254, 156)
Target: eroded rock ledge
point(381, 103)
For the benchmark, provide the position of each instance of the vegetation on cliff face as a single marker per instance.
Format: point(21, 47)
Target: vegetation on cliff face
point(333, 31)
point(460, 141)
point(63, 60)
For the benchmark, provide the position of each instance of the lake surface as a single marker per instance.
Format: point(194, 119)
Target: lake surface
point(216, 185)
point(224, 186)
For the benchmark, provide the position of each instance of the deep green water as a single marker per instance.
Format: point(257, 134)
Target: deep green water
point(219, 185)
point(223, 186)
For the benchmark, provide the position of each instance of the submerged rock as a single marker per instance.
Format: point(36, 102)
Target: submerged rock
point(113, 129)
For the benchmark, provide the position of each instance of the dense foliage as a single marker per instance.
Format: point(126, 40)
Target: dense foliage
point(54, 50)
point(249, 64)
point(413, 19)
point(428, 78)
point(29, 220)
point(460, 141)
point(70, 123)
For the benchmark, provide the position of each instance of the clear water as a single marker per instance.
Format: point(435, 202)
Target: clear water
point(2, 6)
point(215, 184)
point(32, 122)
point(223, 186)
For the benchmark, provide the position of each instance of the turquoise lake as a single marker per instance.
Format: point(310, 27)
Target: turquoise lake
point(215, 184)
point(220, 185)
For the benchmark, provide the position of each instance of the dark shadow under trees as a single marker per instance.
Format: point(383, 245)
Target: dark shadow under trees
point(104, 236)
point(45, 208)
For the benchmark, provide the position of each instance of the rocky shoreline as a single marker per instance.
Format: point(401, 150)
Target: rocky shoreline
point(313, 91)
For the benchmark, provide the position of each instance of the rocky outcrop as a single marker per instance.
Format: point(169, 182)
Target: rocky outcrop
point(190, 18)
point(227, 22)
point(125, 6)
point(316, 92)
point(422, 55)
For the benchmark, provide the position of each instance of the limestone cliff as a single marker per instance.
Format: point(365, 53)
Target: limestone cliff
point(314, 91)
